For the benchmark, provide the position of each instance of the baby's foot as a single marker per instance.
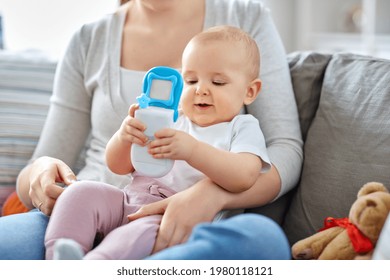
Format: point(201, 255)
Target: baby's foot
point(67, 249)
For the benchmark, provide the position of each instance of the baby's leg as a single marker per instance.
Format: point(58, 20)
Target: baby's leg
point(82, 210)
point(132, 241)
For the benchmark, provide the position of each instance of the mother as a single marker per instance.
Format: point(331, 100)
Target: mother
point(101, 74)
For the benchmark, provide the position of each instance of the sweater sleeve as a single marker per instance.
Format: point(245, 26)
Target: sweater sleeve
point(68, 122)
point(275, 108)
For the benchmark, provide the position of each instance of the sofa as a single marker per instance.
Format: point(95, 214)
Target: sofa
point(343, 101)
point(26, 79)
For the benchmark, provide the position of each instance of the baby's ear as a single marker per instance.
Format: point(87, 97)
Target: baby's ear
point(252, 91)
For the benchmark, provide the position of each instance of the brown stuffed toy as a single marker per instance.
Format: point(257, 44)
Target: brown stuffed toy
point(349, 238)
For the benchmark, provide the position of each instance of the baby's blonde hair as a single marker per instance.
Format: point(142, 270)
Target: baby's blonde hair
point(234, 35)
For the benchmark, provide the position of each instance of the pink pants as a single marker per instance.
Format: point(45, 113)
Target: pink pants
point(88, 208)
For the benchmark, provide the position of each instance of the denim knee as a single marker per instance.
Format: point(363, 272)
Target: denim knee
point(22, 236)
point(245, 236)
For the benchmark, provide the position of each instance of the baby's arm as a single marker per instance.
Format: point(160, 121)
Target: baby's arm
point(118, 147)
point(235, 172)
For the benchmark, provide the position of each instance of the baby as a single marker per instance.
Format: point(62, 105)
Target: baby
point(210, 140)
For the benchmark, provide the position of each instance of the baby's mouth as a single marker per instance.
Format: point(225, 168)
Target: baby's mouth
point(202, 105)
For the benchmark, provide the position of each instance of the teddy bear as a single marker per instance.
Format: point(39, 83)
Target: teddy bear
point(349, 238)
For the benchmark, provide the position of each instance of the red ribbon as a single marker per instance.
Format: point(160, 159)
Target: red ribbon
point(360, 242)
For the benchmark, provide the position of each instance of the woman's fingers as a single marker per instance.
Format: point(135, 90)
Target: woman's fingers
point(155, 208)
point(171, 234)
point(44, 189)
point(66, 174)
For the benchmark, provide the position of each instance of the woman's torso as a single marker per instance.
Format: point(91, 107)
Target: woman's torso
point(102, 75)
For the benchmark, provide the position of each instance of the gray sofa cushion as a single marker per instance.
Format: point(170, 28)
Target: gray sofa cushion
point(307, 73)
point(347, 143)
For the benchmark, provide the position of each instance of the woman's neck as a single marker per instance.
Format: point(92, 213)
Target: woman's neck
point(157, 31)
point(165, 13)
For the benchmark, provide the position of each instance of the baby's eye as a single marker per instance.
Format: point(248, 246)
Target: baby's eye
point(190, 82)
point(218, 83)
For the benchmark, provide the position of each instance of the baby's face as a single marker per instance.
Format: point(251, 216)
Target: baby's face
point(216, 82)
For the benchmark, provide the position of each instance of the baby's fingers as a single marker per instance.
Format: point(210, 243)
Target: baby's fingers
point(132, 109)
point(160, 148)
point(165, 133)
point(133, 123)
point(133, 132)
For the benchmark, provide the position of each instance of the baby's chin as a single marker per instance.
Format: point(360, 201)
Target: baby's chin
point(204, 121)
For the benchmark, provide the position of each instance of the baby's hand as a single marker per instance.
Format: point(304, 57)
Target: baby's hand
point(172, 144)
point(132, 130)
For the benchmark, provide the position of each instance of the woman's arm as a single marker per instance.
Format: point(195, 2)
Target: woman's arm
point(204, 200)
point(63, 136)
point(275, 107)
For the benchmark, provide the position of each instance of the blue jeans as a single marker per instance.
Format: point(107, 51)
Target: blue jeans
point(22, 236)
point(242, 237)
point(246, 236)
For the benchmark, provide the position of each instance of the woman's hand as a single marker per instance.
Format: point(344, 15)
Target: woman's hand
point(182, 211)
point(200, 203)
point(43, 175)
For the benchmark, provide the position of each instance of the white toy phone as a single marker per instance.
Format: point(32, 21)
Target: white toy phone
point(162, 87)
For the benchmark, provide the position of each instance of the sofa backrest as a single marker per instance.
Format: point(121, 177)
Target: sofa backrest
point(26, 82)
point(307, 71)
point(343, 101)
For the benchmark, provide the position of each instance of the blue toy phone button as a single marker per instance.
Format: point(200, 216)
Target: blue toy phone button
point(143, 101)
